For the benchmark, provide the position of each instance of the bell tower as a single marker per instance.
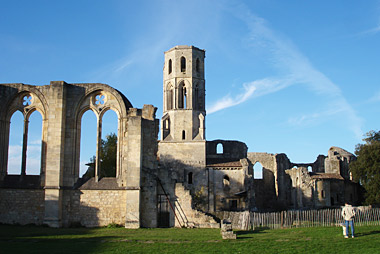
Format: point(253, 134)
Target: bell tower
point(184, 95)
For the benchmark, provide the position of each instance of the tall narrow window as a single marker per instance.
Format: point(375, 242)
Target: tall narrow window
point(183, 64)
point(170, 66)
point(182, 94)
point(197, 65)
point(15, 143)
point(190, 178)
point(183, 135)
point(219, 148)
point(33, 162)
point(184, 97)
point(258, 171)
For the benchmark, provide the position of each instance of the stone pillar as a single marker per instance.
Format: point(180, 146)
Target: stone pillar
point(134, 162)
point(4, 146)
point(55, 153)
point(98, 149)
point(24, 147)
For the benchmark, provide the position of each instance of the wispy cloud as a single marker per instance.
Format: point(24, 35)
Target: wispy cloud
point(297, 68)
point(375, 97)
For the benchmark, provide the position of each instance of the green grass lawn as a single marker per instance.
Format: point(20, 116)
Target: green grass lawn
point(31, 239)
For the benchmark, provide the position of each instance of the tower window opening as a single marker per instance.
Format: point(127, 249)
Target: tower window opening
point(170, 66)
point(183, 64)
point(197, 65)
point(184, 97)
point(182, 94)
point(183, 135)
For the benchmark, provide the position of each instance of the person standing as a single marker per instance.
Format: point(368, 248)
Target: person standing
point(348, 213)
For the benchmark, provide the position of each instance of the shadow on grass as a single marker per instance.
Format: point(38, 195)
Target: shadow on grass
point(376, 232)
point(43, 245)
point(244, 234)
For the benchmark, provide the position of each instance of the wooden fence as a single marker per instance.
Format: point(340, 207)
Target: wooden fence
point(309, 218)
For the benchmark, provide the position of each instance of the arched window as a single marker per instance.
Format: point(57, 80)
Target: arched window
point(197, 65)
point(88, 144)
point(182, 99)
point(226, 181)
point(183, 64)
point(258, 171)
point(33, 162)
point(109, 144)
point(183, 135)
point(219, 148)
point(170, 66)
point(309, 169)
point(15, 143)
point(190, 178)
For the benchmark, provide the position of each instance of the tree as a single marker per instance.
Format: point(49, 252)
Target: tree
point(108, 150)
point(366, 169)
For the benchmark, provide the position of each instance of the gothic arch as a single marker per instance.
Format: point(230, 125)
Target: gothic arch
point(26, 99)
point(100, 99)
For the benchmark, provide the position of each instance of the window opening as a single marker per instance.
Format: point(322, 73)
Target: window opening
point(27, 100)
point(33, 158)
point(170, 66)
point(190, 178)
point(323, 194)
point(309, 169)
point(99, 99)
point(183, 135)
point(183, 64)
point(108, 155)
point(197, 65)
point(219, 148)
point(182, 94)
point(87, 155)
point(15, 143)
point(184, 97)
point(226, 181)
point(258, 171)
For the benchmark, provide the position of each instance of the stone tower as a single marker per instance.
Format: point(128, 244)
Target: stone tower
point(183, 121)
point(184, 95)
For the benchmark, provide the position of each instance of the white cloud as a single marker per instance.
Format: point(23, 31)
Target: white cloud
point(287, 58)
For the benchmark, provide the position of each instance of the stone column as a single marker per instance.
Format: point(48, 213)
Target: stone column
point(24, 147)
point(55, 153)
point(98, 150)
point(4, 146)
point(134, 162)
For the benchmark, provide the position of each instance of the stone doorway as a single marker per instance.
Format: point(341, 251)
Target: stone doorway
point(163, 212)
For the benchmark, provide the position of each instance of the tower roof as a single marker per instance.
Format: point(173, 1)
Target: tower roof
point(183, 47)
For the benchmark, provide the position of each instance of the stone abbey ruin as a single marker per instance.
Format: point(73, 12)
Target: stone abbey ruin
point(180, 179)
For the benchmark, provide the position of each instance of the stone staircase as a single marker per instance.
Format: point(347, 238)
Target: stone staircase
point(188, 216)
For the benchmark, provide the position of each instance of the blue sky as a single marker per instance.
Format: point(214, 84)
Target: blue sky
point(294, 77)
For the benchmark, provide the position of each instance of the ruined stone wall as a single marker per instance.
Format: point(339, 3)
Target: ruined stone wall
point(22, 206)
point(93, 208)
point(225, 192)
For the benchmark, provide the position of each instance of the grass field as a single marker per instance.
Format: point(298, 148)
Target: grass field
point(31, 239)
